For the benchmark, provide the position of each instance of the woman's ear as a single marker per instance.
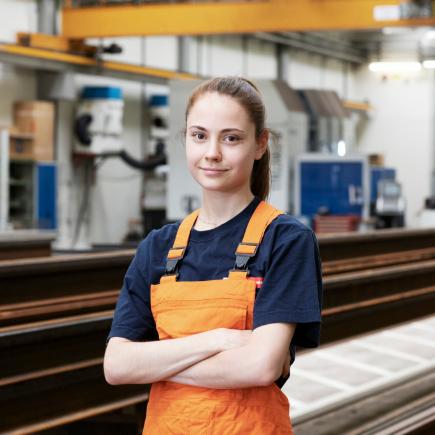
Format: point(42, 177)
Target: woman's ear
point(262, 142)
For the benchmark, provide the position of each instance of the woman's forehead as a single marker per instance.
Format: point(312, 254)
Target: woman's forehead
point(214, 109)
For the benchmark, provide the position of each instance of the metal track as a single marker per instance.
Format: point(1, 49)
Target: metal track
point(334, 267)
point(25, 244)
point(356, 245)
point(407, 407)
point(56, 313)
point(364, 301)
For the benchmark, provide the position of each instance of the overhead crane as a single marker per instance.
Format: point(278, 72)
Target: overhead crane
point(134, 18)
point(102, 18)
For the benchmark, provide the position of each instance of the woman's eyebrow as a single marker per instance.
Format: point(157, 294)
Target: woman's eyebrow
point(198, 127)
point(225, 130)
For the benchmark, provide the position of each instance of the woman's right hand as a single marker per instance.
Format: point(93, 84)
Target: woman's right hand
point(233, 338)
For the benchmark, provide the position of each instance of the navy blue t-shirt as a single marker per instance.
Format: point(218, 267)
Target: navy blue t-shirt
point(288, 260)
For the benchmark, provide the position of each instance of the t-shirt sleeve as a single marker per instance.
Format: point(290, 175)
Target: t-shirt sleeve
point(133, 318)
point(292, 286)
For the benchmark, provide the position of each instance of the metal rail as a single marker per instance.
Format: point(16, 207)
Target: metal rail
point(25, 244)
point(380, 260)
point(52, 351)
point(406, 407)
point(356, 245)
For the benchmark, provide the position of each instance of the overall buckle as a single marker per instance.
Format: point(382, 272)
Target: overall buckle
point(243, 258)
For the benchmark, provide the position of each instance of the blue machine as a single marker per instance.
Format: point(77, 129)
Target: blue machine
point(331, 184)
point(45, 195)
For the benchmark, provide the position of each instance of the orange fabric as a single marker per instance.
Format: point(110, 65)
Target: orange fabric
point(263, 216)
point(246, 249)
point(183, 232)
point(185, 308)
point(176, 253)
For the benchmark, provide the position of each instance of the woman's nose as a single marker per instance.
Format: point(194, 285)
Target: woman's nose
point(213, 150)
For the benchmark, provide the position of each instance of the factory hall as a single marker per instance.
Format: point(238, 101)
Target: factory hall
point(217, 217)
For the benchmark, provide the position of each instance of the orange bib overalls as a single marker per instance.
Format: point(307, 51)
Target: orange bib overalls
point(186, 308)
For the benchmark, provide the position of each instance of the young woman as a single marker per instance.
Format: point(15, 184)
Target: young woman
point(212, 305)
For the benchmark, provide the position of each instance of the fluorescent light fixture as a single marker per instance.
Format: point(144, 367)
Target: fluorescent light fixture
point(430, 34)
point(395, 66)
point(341, 148)
point(429, 64)
point(395, 30)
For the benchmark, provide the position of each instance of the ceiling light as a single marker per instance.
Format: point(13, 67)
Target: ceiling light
point(430, 34)
point(341, 148)
point(430, 64)
point(395, 66)
point(395, 30)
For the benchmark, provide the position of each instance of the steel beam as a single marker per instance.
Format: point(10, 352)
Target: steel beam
point(48, 60)
point(233, 17)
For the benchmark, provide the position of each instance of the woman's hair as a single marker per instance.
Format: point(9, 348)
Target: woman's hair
point(248, 96)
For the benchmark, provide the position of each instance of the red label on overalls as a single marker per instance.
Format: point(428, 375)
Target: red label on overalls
point(258, 280)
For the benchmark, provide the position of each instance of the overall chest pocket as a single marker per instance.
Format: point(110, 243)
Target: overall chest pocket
point(176, 319)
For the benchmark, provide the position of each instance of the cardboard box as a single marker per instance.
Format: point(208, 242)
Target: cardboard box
point(376, 159)
point(37, 119)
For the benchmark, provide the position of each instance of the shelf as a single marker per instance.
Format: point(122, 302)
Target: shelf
point(14, 134)
point(17, 183)
point(22, 160)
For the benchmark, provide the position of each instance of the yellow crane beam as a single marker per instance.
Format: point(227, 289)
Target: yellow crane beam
point(233, 17)
point(89, 65)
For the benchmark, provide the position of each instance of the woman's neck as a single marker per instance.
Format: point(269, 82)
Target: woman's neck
point(218, 208)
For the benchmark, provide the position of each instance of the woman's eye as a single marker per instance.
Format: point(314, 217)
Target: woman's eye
point(231, 138)
point(198, 135)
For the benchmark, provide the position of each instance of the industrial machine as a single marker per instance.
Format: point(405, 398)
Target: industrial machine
point(327, 184)
point(98, 125)
point(285, 115)
point(98, 132)
point(427, 215)
point(387, 204)
point(390, 205)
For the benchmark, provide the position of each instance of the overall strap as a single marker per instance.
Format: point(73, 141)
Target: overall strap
point(176, 253)
point(263, 215)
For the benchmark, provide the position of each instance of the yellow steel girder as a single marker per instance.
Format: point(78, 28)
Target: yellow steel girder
point(56, 43)
point(41, 40)
point(231, 17)
point(73, 59)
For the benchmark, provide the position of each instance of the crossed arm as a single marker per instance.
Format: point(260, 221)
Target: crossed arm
point(200, 360)
point(260, 362)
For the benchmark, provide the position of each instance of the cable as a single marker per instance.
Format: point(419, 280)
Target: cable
point(84, 202)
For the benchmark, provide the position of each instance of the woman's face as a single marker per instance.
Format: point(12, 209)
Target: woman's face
point(220, 143)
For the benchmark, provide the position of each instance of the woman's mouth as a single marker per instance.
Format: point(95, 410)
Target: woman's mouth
point(213, 171)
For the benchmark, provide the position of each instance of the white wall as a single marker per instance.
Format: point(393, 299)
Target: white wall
point(261, 62)
point(17, 16)
point(401, 128)
point(15, 83)
point(311, 71)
